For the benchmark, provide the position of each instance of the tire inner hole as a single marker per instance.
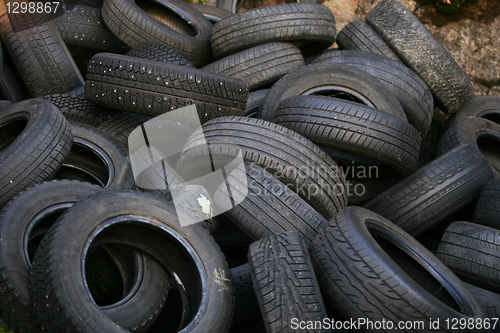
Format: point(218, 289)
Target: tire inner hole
point(10, 131)
point(489, 148)
point(339, 92)
point(491, 115)
point(167, 17)
point(418, 273)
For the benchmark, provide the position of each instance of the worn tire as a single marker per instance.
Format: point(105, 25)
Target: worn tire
point(212, 13)
point(357, 35)
point(151, 50)
point(279, 150)
point(472, 251)
point(487, 107)
point(39, 53)
point(36, 139)
point(233, 6)
point(83, 27)
point(422, 52)
point(490, 302)
point(487, 210)
point(353, 127)
point(435, 191)
point(409, 89)
point(121, 124)
point(260, 65)
point(334, 80)
point(253, 103)
point(285, 283)
point(369, 268)
point(310, 24)
point(153, 88)
point(10, 88)
point(171, 22)
point(98, 158)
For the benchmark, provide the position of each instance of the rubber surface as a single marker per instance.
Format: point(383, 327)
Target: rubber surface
point(487, 210)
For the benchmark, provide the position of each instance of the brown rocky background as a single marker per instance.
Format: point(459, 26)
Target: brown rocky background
point(471, 35)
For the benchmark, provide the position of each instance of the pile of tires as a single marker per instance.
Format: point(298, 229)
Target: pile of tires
point(362, 212)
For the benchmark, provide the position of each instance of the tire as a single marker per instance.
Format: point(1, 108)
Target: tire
point(4, 104)
point(36, 139)
point(472, 251)
point(422, 52)
point(409, 89)
point(172, 22)
point(282, 152)
point(490, 303)
point(246, 306)
point(310, 24)
point(9, 86)
point(121, 124)
point(488, 206)
point(233, 6)
point(333, 80)
point(188, 251)
point(253, 103)
point(97, 158)
point(357, 35)
point(261, 65)
point(369, 268)
point(285, 283)
point(270, 207)
point(352, 127)
point(76, 108)
point(212, 13)
point(83, 27)
point(40, 55)
point(157, 51)
point(475, 131)
point(435, 191)
point(162, 88)
point(487, 107)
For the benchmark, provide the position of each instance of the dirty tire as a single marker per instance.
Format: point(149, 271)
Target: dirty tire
point(83, 27)
point(36, 140)
point(279, 150)
point(353, 127)
point(39, 53)
point(474, 131)
point(121, 124)
point(334, 80)
point(369, 268)
point(10, 88)
point(157, 51)
point(254, 100)
point(487, 107)
point(410, 90)
point(357, 35)
point(173, 26)
point(422, 52)
point(270, 207)
point(261, 65)
point(153, 88)
point(311, 24)
point(487, 210)
point(435, 191)
point(489, 301)
point(285, 283)
point(212, 13)
point(155, 230)
point(246, 307)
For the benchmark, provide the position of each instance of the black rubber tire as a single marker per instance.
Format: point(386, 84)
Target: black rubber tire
point(487, 210)
point(75, 107)
point(285, 283)
point(212, 13)
point(472, 251)
point(409, 89)
point(280, 151)
point(233, 6)
point(83, 27)
point(487, 107)
point(151, 50)
point(173, 22)
point(312, 25)
point(435, 191)
point(153, 88)
point(369, 268)
point(188, 251)
point(490, 303)
point(40, 55)
point(474, 131)
point(36, 139)
point(246, 306)
point(4, 104)
point(253, 103)
point(353, 127)
point(260, 65)
point(98, 158)
point(270, 207)
point(335, 80)
point(422, 52)
point(10, 88)
point(121, 124)
point(357, 35)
